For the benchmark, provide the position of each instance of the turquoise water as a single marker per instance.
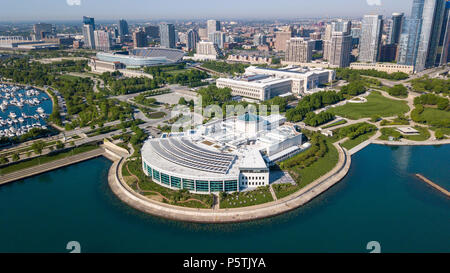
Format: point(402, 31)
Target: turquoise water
point(380, 200)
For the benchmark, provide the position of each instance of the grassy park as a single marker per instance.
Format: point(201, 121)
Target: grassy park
point(351, 143)
point(376, 104)
point(245, 199)
point(306, 175)
point(145, 186)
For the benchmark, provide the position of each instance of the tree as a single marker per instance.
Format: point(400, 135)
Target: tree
point(375, 118)
point(439, 134)
point(182, 101)
point(3, 160)
point(38, 146)
point(15, 157)
point(398, 90)
point(59, 145)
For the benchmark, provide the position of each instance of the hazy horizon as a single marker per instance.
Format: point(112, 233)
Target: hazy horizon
point(73, 10)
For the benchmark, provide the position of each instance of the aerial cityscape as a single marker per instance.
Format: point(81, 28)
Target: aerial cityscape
point(207, 130)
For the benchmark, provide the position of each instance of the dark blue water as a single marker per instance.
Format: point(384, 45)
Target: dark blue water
point(380, 200)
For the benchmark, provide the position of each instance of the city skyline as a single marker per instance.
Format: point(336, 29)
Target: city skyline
point(115, 9)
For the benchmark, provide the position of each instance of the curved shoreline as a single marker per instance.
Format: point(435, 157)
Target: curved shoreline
point(293, 201)
point(274, 208)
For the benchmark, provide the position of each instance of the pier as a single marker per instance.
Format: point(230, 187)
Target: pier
point(434, 185)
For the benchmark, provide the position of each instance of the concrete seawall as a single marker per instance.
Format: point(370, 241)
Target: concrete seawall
point(50, 166)
point(127, 195)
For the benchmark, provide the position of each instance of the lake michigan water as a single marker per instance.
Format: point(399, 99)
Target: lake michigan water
point(379, 200)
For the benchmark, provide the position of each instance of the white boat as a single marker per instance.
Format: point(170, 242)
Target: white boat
point(40, 110)
point(12, 115)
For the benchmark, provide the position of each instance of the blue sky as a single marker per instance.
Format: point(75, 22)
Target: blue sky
point(193, 9)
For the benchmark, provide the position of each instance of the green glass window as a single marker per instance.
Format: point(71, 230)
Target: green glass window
point(175, 182)
point(188, 184)
point(216, 186)
point(231, 185)
point(165, 179)
point(156, 175)
point(202, 186)
point(149, 171)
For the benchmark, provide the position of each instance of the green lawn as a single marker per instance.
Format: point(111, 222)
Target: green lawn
point(435, 115)
point(156, 115)
point(45, 159)
point(351, 143)
point(176, 197)
point(424, 134)
point(309, 174)
point(376, 104)
point(387, 132)
point(335, 124)
point(249, 198)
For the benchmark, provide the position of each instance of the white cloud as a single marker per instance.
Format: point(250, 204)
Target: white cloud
point(78, 2)
point(374, 2)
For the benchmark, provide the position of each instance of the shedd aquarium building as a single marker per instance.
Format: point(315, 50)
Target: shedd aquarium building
point(226, 155)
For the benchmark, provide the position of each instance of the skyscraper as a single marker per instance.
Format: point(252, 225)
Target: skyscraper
point(281, 38)
point(123, 28)
point(444, 41)
point(89, 21)
point(421, 34)
point(102, 40)
point(259, 39)
point(299, 50)
point(192, 39)
point(88, 32)
point(338, 47)
point(139, 38)
point(213, 26)
point(43, 30)
point(167, 34)
point(395, 28)
point(369, 46)
point(218, 38)
point(152, 31)
point(432, 18)
point(409, 39)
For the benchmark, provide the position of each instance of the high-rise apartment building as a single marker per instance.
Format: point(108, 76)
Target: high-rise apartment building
point(259, 39)
point(192, 39)
point(42, 31)
point(218, 38)
point(370, 43)
point(409, 39)
point(212, 26)
point(102, 40)
point(432, 19)
point(299, 50)
point(89, 21)
point(281, 38)
point(139, 38)
point(395, 28)
point(444, 40)
point(421, 34)
point(152, 31)
point(167, 35)
point(338, 46)
point(203, 33)
point(88, 32)
point(123, 28)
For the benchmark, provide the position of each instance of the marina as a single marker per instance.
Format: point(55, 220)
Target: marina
point(22, 109)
